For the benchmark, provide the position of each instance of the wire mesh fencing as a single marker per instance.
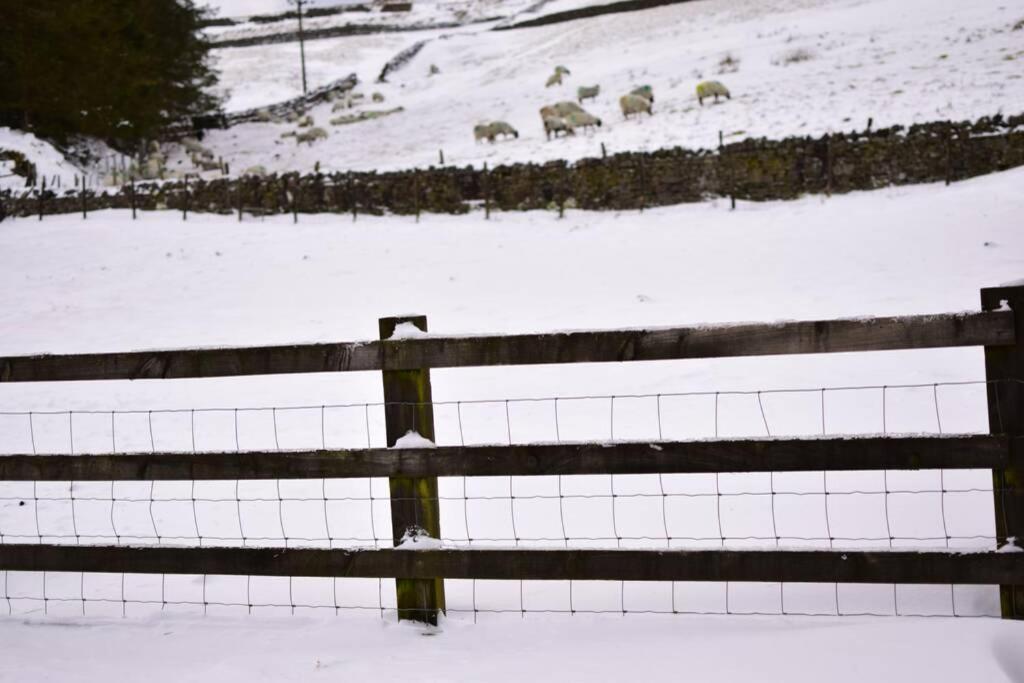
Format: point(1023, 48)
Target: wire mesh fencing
point(831, 510)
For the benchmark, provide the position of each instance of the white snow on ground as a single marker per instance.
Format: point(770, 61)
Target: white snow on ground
point(176, 649)
point(109, 284)
point(49, 162)
point(898, 63)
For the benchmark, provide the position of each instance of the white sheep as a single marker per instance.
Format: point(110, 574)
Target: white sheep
point(554, 79)
point(311, 136)
point(561, 70)
point(258, 171)
point(587, 92)
point(644, 91)
point(501, 128)
point(563, 109)
point(634, 104)
point(305, 122)
point(582, 119)
point(711, 89)
point(553, 125)
point(481, 131)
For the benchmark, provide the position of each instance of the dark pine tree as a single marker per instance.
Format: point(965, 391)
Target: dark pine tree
point(119, 70)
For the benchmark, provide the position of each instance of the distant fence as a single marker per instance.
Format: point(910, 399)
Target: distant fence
point(405, 363)
point(752, 170)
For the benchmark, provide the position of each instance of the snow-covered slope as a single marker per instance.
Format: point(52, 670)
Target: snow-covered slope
point(798, 67)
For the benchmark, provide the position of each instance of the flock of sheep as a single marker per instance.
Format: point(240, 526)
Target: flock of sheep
point(567, 117)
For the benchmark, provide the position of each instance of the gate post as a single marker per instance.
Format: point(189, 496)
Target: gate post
point(1004, 369)
point(408, 406)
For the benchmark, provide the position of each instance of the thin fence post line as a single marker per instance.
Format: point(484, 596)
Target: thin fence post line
point(440, 156)
point(131, 194)
point(85, 208)
point(828, 164)
point(40, 196)
point(604, 152)
point(414, 501)
point(293, 199)
point(238, 197)
point(184, 204)
point(1004, 374)
point(352, 196)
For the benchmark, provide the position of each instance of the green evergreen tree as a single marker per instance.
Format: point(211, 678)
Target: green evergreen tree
point(119, 70)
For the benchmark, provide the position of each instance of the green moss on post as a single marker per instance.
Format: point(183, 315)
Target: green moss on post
point(408, 406)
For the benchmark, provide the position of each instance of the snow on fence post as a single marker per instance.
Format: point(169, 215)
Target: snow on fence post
point(408, 407)
point(1004, 370)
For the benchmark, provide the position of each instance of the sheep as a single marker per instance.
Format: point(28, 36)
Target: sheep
point(711, 89)
point(562, 71)
point(644, 91)
point(553, 125)
point(258, 171)
point(547, 111)
point(377, 97)
point(563, 109)
point(582, 119)
point(634, 104)
point(311, 136)
point(554, 79)
point(193, 147)
point(490, 131)
point(587, 93)
point(264, 116)
point(501, 128)
point(305, 122)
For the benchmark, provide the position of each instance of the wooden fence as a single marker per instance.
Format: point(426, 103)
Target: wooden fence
point(405, 364)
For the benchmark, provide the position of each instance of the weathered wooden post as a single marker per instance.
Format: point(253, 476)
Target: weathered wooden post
point(1004, 370)
point(238, 198)
point(184, 204)
point(131, 192)
point(85, 208)
point(643, 183)
point(40, 197)
point(408, 407)
point(440, 156)
point(352, 197)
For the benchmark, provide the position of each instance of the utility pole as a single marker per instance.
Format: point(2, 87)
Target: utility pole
point(302, 47)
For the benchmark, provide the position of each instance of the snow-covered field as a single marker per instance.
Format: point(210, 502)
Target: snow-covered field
point(112, 284)
point(898, 63)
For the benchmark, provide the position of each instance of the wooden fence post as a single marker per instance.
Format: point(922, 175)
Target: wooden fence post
point(85, 208)
point(408, 406)
point(132, 195)
point(1004, 370)
point(184, 205)
point(352, 196)
point(41, 193)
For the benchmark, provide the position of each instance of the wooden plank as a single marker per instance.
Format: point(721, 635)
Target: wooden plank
point(852, 566)
point(995, 328)
point(646, 457)
point(1004, 368)
point(415, 508)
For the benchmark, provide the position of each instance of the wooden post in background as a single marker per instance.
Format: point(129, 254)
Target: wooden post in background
point(1004, 369)
point(408, 406)
point(487, 193)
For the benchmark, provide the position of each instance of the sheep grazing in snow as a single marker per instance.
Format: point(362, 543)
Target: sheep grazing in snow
point(554, 79)
point(490, 131)
point(587, 92)
point(711, 89)
point(634, 104)
point(377, 97)
point(258, 171)
point(481, 131)
point(553, 125)
point(644, 91)
point(501, 128)
point(561, 70)
point(547, 111)
point(311, 136)
point(305, 122)
point(582, 119)
point(563, 109)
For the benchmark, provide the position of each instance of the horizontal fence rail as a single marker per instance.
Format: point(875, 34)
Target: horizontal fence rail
point(647, 457)
point(918, 567)
point(993, 328)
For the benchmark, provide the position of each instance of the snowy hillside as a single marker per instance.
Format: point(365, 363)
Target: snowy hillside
point(794, 67)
